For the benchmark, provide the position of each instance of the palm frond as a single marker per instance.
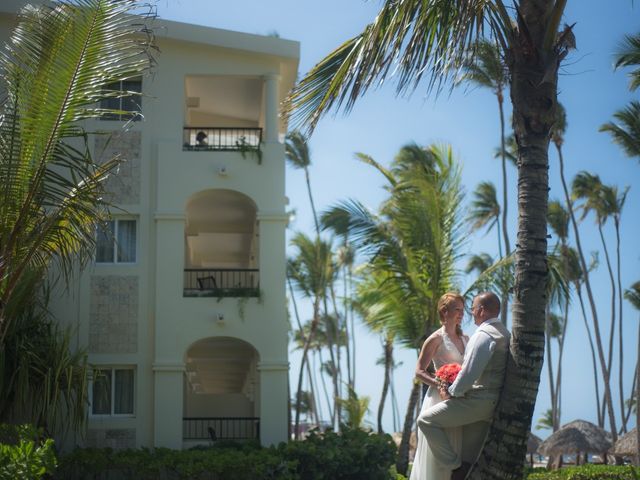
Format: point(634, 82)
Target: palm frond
point(628, 55)
point(626, 130)
point(409, 39)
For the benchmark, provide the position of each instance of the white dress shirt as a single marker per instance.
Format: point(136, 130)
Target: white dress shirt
point(476, 357)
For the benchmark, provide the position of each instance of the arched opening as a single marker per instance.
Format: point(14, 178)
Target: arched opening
point(221, 391)
point(221, 245)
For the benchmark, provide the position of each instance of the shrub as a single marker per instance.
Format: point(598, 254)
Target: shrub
point(23, 455)
point(586, 472)
point(351, 455)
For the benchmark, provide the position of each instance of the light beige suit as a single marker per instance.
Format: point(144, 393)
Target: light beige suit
point(476, 392)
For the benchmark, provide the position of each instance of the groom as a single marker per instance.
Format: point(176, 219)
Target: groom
point(469, 402)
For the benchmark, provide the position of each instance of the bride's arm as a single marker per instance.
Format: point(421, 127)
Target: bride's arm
point(429, 349)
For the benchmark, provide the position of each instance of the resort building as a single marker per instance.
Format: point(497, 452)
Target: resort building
point(183, 312)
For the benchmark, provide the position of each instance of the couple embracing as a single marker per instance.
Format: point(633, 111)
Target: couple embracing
point(455, 418)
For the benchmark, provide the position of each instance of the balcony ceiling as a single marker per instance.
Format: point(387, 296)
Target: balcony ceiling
point(220, 365)
point(226, 96)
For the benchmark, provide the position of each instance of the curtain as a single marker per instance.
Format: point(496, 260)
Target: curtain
point(104, 244)
point(123, 401)
point(126, 241)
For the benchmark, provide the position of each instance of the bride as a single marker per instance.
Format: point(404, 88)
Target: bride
point(445, 345)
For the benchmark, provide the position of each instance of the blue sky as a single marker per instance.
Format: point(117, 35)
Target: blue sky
point(381, 123)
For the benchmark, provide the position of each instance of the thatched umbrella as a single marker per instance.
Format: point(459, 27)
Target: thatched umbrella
point(533, 442)
point(627, 445)
point(577, 437)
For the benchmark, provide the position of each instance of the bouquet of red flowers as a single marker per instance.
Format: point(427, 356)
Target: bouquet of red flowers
point(447, 374)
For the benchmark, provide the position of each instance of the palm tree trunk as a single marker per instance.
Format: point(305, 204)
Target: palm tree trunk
point(594, 312)
point(313, 206)
point(558, 406)
point(402, 463)
point(612, 329)
point(593, 354)
point(335, 419)
point(305, 351)
point(507, 245)
point(620, 343)
point(348, 331)
point(330, 406)
point(388, 363)
point(638, 401)
point(533, 96)
point(549, 362)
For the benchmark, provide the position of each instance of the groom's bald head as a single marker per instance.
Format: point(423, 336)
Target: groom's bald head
point(490, 302)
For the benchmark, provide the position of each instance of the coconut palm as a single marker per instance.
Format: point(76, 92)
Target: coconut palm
point(430, 39)
point(486, 68)
point(311, 270)
point(626, 131)
point(589, 188)
point(633, 296)
point(297, 153)
point(611, 203)
point(485, 210)
point(557, 136)
point(411, 246)
point(479, 263)
point(53, 72)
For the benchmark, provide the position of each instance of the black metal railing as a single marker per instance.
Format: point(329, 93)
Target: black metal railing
point(220, 428)
point(221, 138)
point(221, 282)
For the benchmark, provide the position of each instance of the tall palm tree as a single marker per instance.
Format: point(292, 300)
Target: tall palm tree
point(633, 295)
point(626, 131)
point(296, 150)
point(311, 271)
point(611, 203)
point(486, 68)
point(431, 38)
point(412, 246)
point(52, 73)
point(588, 187)
point(557, 136)
point(485, 210)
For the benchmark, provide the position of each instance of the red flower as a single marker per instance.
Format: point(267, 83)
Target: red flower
point(448, 373)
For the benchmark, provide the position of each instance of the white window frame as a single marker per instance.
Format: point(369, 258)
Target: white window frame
point(114, 259)
point(112, 402)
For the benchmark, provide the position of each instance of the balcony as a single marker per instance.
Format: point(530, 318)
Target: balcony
point(221, 139)
point(221, 428)
point(221, 282)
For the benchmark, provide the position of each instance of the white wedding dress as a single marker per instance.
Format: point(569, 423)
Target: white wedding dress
point(425, 466)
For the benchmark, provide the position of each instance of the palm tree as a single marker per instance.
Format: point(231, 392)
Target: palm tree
point(485, 210)
point(411, 246)
point(311, 270)
point(588, 187)
point(298, 155)
point(53, 73)
point(626, 132)
point(557, 136)
point(633, 295)
point(431, 38)
point(611, 203)
point(486, 68)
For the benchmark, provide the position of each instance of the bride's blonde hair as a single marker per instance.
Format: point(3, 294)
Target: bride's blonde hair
point(445, 302)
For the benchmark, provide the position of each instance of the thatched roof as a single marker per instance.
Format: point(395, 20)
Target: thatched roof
point(578, 436)
point(533, 442)
point(626, 445)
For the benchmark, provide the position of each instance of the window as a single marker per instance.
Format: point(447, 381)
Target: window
point(112, 391)
point(116, 242)
point(130, 103)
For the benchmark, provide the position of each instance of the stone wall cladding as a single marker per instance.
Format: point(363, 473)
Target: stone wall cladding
point(123, 186)
point(116, 438)
point(113, 314)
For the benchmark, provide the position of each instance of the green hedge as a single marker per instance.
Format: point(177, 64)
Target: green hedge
point(586, 472)
point(350, 455)
point(24, 454)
